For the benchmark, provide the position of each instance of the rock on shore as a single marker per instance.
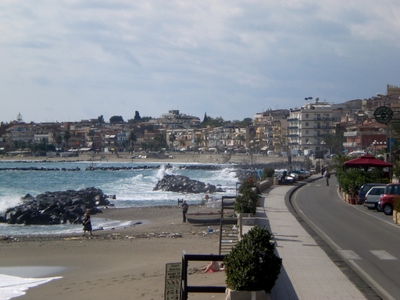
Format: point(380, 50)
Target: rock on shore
point(56, 207)
point(183, 184)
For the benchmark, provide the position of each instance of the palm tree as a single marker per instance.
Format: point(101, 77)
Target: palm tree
point(58, 140)
point(172, 138)
point(132, 139)
point(67, 136)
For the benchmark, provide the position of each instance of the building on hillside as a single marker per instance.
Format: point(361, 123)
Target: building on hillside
point(370, 136)
point(308, 126)
point(174, 119)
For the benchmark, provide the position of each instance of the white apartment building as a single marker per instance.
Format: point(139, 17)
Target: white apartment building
point(308, 126)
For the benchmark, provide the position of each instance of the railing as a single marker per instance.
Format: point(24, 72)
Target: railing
point(186, 289)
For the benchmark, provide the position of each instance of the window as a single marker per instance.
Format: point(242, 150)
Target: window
point(306, 123)
point(306, 116)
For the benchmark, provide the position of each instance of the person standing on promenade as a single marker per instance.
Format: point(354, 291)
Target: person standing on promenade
point(327, 175)
point(87, 224)
point(185, 208)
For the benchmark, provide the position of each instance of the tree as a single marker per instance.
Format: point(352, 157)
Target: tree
point(159, 141)
point(101, 119)
point(67, 136)
point(198, 140)
point(58, 140)
point(172, 138)
point(116, 119)
point(132, 139)
point(208, 121)
point(137, 117)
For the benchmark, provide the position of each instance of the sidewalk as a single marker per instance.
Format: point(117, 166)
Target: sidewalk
point(307, 271)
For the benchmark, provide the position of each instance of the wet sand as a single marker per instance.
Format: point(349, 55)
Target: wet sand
point(126, 263)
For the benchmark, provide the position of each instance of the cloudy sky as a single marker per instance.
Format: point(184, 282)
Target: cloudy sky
point(69, 60)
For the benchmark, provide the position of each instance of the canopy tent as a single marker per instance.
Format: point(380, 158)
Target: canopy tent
point(367, 161)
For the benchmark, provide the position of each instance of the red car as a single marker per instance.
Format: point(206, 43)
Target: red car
point(385, 202)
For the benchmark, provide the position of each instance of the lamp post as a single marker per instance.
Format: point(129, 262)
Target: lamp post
point(374, 145)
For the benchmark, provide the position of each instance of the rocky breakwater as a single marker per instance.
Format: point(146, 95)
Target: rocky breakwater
point(183, 184)
point(56, 207)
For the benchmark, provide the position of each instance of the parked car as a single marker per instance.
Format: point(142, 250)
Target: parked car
point(385, 202)
point(364, 190)
point(373, 195)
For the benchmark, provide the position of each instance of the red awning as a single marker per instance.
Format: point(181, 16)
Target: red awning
point(367, 160)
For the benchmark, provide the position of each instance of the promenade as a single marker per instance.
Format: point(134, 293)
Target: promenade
point(307, 271)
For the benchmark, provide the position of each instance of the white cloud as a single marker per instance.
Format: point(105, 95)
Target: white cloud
point(69, 60)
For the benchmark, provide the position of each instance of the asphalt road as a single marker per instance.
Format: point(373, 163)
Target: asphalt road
point(367, 240)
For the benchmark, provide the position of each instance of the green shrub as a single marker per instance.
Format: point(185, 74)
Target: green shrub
point(246, 201)
point(268, 172)
point(252, 264)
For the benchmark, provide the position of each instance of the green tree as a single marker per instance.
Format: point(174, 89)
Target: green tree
point(172, 138)
point(208, 121)
point(58, 140)
point(159, 141)
point(116, 119)
point(100, 119)
point(137, 117)
point(132, 139)
point(67, 136)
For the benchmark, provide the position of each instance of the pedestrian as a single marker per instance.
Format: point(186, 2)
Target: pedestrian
point(185, 208)
point(87, 224)
point(327, 175)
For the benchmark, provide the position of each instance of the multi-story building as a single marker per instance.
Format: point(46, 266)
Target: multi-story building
point(370, 135)
point(308, 126)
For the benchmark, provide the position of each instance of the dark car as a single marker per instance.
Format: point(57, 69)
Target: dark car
point(385, 202)
point(364, 190)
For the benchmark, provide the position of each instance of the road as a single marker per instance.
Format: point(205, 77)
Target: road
point(368, 241)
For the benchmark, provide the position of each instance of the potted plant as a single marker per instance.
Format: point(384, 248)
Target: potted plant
point(246, 201)
point(396, 210)
point(252, 267)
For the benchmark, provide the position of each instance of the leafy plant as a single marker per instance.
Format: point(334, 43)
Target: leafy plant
point(252, 264)
point(268, 172)
point(396, 204)
point(246, 201)
point(351, 180)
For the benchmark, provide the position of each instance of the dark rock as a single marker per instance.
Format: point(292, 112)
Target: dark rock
point(56, 207)
point(183, 184)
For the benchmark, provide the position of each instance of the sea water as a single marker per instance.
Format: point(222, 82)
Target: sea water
point(132, 187)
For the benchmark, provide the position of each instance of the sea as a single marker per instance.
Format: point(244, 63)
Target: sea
point(132, 184)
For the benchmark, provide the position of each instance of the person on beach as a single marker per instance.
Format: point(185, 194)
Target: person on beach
point(185, 208)
point(87, 224)
point(213, 266)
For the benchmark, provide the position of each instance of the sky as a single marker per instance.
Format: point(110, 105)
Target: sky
point(70, 60)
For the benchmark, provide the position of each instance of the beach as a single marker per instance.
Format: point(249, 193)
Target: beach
point(124, 263)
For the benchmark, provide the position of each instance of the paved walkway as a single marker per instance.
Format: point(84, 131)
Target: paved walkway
point(307, 271)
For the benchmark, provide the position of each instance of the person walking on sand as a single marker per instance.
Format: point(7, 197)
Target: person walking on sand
point(327, 175)
point(185, 208)
point(87, 224)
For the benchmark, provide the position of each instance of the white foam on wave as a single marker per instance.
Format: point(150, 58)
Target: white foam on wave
point(14, 286)
point(8, 201)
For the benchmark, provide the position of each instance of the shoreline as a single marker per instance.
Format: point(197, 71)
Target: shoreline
point(177, 157)
point(122, 263)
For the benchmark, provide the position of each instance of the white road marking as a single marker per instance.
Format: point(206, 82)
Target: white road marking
point(382, 254)
point(348, 254)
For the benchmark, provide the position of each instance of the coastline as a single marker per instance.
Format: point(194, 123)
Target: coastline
point(125, 262)
point(175, 157)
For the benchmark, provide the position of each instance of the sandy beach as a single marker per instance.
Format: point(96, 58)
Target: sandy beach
point(125, 263)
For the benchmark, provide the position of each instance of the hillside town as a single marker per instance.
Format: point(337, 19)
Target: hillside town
point(316, 128)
